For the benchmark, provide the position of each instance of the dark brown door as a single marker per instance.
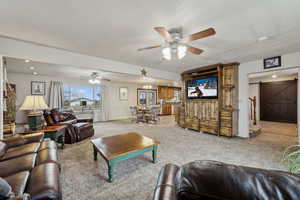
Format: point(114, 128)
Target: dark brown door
point(278, 101)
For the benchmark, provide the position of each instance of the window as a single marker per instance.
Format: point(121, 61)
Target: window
point(82, 97)
point(147, 97)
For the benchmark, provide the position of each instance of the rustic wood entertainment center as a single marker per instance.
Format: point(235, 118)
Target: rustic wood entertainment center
point(217, 115)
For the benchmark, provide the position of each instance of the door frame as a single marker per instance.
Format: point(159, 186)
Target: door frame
point(297, 71)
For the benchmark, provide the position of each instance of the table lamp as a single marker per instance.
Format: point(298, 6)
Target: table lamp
point(34, 104)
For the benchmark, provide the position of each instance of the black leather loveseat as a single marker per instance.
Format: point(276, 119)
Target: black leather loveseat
point(211, 180)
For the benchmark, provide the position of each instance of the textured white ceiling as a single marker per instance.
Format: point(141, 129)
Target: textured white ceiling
point(281, 74)
point(115, 29)
point(14, 65)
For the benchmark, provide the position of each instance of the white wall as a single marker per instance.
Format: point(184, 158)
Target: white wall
point(117, 109)
point(288, 61)
point(1, 97)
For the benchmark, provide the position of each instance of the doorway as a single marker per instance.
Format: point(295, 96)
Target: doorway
point(278, 101)
point(273, 105)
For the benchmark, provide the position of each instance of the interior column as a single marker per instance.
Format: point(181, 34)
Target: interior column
point(1, 97)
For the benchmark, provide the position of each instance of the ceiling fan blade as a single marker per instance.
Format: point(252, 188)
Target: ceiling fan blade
point(163, 32)
point(152, 47)
point(199, 35)
point(194, 50)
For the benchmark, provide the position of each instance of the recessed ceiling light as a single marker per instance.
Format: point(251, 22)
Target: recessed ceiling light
point(31, 68)
point(274, 76)
point(27, 61)
point(35, 73)
point(262, 38)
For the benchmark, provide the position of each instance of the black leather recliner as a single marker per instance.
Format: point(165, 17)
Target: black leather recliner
point(211, 180)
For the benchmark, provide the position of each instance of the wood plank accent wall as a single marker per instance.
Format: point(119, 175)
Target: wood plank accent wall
point(216, 116)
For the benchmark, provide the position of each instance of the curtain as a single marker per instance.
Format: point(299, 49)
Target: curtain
point(105, 103)
point(101, 113)
point(56, 95)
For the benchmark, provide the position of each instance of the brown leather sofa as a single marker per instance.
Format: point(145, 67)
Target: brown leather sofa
point(30, 165)
point(78, 129)
point(211, 180)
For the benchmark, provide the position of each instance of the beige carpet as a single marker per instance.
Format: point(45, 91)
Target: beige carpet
point(135, 179)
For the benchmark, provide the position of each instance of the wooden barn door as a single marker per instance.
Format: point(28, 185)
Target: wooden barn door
point(278, 101)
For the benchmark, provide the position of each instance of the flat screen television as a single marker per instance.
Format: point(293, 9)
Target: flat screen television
point(203, 88)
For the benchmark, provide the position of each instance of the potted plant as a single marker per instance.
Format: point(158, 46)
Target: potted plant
point(292, 157)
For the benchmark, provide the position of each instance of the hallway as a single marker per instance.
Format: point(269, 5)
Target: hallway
point(279, 128)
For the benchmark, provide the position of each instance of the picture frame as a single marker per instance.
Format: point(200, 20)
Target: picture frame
point(123, 93)
point(38, 88)
point(272, 62)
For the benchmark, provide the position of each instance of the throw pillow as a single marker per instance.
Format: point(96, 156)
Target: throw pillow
point(3, 148)
point(5, 189)
point(48, 119)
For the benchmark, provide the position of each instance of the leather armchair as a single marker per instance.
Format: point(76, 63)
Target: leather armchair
point(78, 129)
point(211, 180)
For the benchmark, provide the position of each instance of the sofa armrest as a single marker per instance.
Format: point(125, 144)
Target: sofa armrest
point(165, 188)
point(34, 137)
point(85, 120)
point(72, 121)
point(44, 183)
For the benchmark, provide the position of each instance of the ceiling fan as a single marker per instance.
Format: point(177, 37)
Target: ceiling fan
point(175, 44)
point(96, 78)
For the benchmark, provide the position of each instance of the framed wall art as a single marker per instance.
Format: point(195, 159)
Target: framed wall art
point(272, 62)
point(123, 94)
point(38, 88)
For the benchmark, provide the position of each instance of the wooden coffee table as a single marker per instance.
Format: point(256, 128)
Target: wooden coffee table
point(122, 147)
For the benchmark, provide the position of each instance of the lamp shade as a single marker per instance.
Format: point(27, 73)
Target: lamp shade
point(34, 103)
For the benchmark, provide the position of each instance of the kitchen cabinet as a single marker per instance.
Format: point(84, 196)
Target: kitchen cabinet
point(167, 109)
point(166, 93)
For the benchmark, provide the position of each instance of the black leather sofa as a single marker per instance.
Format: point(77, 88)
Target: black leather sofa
point(211, 180)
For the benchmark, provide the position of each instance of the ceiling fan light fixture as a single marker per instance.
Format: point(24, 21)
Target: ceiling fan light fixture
point(167, 53)
point(181, 51)
point(95, 79)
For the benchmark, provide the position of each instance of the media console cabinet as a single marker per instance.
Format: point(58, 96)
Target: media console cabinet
point(217, 115)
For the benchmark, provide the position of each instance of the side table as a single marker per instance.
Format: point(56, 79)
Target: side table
point(56, 133)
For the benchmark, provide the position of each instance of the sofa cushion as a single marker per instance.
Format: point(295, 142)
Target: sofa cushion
point(47, 156)
point(5, 189)
point(216, 180)
point(21, 150)
point(15, 165)
point(47, 175)
point(3, 148)
point(18, 182)
point(48, 144)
